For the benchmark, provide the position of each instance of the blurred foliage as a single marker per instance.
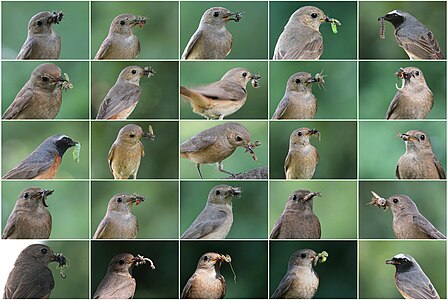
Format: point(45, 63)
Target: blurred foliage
point(376, 279)
point(335, 100)
point(20, 138)
point(257, 99)
point(249, 260)
point(249, 211)
point(161, 155)
point(158, 99)
point(73, 29)
point(336, 46)
point(249, 35)
point(69, 211)
point(337, 276)
point(157, 216)
point(237, 162)
point(431, 13)
point(375, 223)
point(75, 102)
point(337, 148)
point(336, 209)
point(158, 37)
point(377, 88)
point(160, 283)
point(380, 146)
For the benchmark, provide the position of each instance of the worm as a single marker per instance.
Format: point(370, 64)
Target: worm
point(382, 27)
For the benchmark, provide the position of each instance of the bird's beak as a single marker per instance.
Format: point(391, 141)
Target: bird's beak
point(407, 137)
point(137, 199)
point(404, 75)
point(148, 72)
point(55, 17)
point(140, 21)
point(311, 196)
point(311, 80)
point(392, 262)
point(313, 132)
point(235, 191)
point(235, 16)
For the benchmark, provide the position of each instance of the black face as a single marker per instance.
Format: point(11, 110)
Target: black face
point(401, 264)
point(63, 144)
point(395, 18)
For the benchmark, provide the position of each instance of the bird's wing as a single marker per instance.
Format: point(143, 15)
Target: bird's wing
point(281, 108)
point(416, 285)
point(393, 104)
point(191, 44)
point(110, 156)
point(439, 168)
point(187, 288)
point(208, 223)
point(100, 230)
point(21, 101)
point(115, 287)
point(397, 172)
point(25, 52)
point(118, 99)
point(287, 162)
point(35, 164)
point(276, 230)
point(34, 285)
point(10, 225)
point(103, 49)
point(283, 287)
point(142, 149)
point(302, 50)
point(425, 47)
point(427, 227)
point(198, 142)
point(222, 90)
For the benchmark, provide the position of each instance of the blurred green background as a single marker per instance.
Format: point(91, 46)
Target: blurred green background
point(249, 261)
point(337, 275)
point(380, 146)
point(375, 223)
point(73, 29)
point(20, 138)
point(249, 211)
point(237, 162)
point(377, 86)
point(431, 13)
point(257, 99)
point(161, 155)
point(249, 35)
point(62, 205)
point(75, 102)
point(337, 148)
point(335, 100)
point(336, 209)
point(160, 283)
point(158, 37)
point(158, 99)
point(336, 46)
point(157, 216)
point(376, 279)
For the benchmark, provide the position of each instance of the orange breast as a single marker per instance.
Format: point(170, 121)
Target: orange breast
point(51, 172)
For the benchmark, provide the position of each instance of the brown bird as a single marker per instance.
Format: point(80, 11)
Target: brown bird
point(40, 97)
point(414, 99)
point(30, 218)
point(31, 278)
point(127, 151)
point(298, 220)
point(123, 97)
point(302, 158)
point(42, 41)
point(222, 98)
point(419, 160)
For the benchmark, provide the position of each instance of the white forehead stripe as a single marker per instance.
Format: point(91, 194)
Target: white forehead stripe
point(400, 256)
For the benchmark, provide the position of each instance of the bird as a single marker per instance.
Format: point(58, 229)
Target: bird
point(419, 160)
point(216, 219)
point(123, 97)
point(302, 158)
point(299, 101)
point(298, 220)
point(119, 222)
point(40, 97)
point(301, 38)
point(415, 38)
point(42, 41)
point(121, 42)
point(44, 161)
point(30, 218)
point(411, 281)
point(221, 98)
point(127, 151)
point(212, 40)
point(207, 281)
point(414, 100)
point(31, 278)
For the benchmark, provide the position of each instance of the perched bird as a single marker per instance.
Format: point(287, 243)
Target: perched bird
point(121, 43)
point(416, 40)
point(123, 97)
point(212, 40)
point(298, 220)
point(31, 278)
point(40, 97)
point(222, 98)
point(298, 101)
point(42, 41)
point(419, 161)
point(411, 281)
point(216, 219)
point(30, 218)
point(44, 161)
point(127, 151)
point(119, 222)
point(301, 38)
point(302, 158)
point(414, 99)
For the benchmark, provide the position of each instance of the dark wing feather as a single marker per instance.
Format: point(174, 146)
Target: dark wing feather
point(283, 287)
point(309, 49)
point(276, 230)
point(440, 169)
point(222, 90)
point(26, 49)
point(416, 285)
point(427, 227)
point(34, 285)
point(198, 142)
point(103, 49)
point(191, 44)
point(35, 164)
point(10, 225)
point(425, 47)
point(118, 99)
point(199, 229)
point(25, 95)
point(187, 288)
point(281, 108)
point(393, 104)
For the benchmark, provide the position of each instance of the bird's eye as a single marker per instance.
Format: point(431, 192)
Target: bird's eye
point(239, 139)
point(216, 13)
point(395, 200)
point(417, 73)
point(45, 78)
point(303, 255)
point(314, 15)
point(294, 197)
point(39, 23)
point(119, 199)
point(297, 80)
point(26, 195)
point(244, 74)
point(43, 250)
point(422, 137)
point(205, 258)
point(299, 133)
point(218, 192)
point(134, 72)
point(121, 262)
point(132, 135)
point(122, 22)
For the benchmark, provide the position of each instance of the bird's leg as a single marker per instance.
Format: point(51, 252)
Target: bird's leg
point(198, 167)
point(224, 171)
point(221, 117)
